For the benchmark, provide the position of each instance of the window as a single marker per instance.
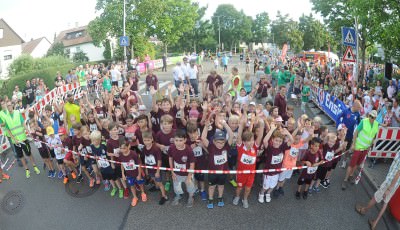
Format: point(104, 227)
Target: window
point(7, 57)
point(1, 33)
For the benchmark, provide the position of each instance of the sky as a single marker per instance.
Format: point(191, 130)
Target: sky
point(39, 18)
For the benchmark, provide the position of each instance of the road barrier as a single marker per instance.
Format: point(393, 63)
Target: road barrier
point(4, 143)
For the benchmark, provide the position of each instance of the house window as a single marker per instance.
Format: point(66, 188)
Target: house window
point(1, 33)
point(7, 57)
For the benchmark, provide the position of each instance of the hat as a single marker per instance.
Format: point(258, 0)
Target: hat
point(219, 135)
point(373, 113)
point(142, 108)
point(62, 131)
point(253, 103)
point(49, 130)
point(279, 119)
point(194, 113)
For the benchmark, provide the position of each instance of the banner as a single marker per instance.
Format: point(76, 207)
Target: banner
point(332, 106)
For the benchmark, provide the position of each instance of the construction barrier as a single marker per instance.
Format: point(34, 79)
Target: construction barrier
point(387, 143)
point(4, 143)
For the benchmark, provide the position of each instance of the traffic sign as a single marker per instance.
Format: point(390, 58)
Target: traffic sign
point(124, 41)
point(349, 36)
point(348, 55)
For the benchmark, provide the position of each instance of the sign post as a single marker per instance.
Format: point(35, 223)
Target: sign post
point(350, 39)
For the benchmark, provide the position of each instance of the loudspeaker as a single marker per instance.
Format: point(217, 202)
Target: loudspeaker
point(388, 70)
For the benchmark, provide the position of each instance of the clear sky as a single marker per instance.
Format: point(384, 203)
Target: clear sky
point(38, 18)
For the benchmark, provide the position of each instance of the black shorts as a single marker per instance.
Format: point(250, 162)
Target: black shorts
point(304, 180)
point(44, 152)
point(109, 176)
point(321, 172)
point(60, 161)
point(117, 171)
point(199, 176)
point(52, 154)
point(115, 83)
point(22, 148)
point(165, 160)
point(216, 179)
point(333, 165)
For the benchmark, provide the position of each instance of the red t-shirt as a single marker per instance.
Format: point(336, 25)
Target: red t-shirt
point(129, 162)
point(218, 158)
point(181, 158)
point(247, 158)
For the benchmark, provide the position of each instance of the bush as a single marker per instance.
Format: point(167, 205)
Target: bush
point(25, 63)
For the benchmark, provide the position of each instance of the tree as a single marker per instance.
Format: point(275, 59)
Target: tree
point(80, 56)
point(57, 49)
point(285, 30)
point(260, 28)
point(107, 53)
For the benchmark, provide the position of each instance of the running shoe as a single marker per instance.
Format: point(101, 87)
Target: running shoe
point(126, 193)
point(305, 195)
point(203, 195)
point(163, 200)
point(210, 204)
point(91, 182)
point(236, 200)
point(60, 174)
point(267, 198)
point(49, 174)
point(113, 191)
point(53, 174)
point(27, 173)
point(121, 193)
point(190, 202)
point(221, 202)
point(65, 181)
point(144, 197)
point(316, 189)
point(73, 175)
point(134, 201)
point(79, 179)
point(167, 186)
point(298, 196)
point(36, 169)
point(107, 187)
point(261, 198)
point(324, 183)
point(5, 177)
point(233, 183)
point(245, 203)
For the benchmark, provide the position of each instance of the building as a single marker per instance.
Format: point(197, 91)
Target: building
point(78, 39)
point(10, 47)
point(36, 48)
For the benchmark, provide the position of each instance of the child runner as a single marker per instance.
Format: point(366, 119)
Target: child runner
point(55, 146)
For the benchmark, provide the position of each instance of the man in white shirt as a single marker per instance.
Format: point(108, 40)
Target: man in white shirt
point(178, 74)
point(193, 79)
point(391, 89)
point(185, 67)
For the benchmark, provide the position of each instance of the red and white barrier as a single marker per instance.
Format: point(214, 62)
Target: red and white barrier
point(4, 143)
point(386, 144)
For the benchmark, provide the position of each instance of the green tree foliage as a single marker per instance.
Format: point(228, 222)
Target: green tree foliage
point(57, 49)
point(80, 56)
point(314, 34)
point(26, 63)
point(107, 54)
point(235, 25)
point(286, 30)
point(260, 28)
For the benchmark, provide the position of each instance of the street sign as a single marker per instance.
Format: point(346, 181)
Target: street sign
point(348, 55)
point(349, 36)
point(124, 41)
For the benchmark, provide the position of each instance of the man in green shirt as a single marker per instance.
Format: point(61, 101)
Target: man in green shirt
point(305, 94)
point(281, 78)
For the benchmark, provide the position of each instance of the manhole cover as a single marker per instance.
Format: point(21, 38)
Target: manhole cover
point(13, 202)
point(80, 190)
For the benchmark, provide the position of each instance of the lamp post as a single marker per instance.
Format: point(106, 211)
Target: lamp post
point(125, 57)
point(219, 33)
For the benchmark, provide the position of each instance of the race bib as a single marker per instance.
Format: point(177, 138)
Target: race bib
point(312, 170)
point(93, 127)
point(179, 166)
point(166, 150)
point(129, 135)
point(277, 159)
point(59, 154)
point(130, 165)
point(103, 163)
point(116, 151)
point(329, 156)
point(150, 160)
point(140, 147)
point(88, 149)
point(248, 160)
point(38, 144)
point(294, 152)
point(197, 151)
point(220, 159)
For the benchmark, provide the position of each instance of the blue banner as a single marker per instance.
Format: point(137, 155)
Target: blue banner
point(332, 106)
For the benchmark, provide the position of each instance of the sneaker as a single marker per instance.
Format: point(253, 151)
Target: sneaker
point(310, 191)
point(134, 201)
point(261, 198)
point(60, 174)
point(5, 177)
point(343, 165)
point(36, 169)
point(79, 179)
point(49, 174)
point(328, 182)
point(120, 193)
point(126, 193)
point(305, 195)
point(27, 173)
point(281, 192)
point(352, 180)
point(91, 182)
point(97, 180)
point(154, 189)
point(245, 203)
point(144, 197)
point(167, 186)
point(221, 202)
point(163, 200)
point(73, 175)
point(316, 189)
point(106, 187)
point(275, 193)
point(324, 183)
point(233, 183)
point(65, 181)
point(176, 200)
point(298, 196)
point(210, 204)
point(53, 174)
point(190, 202)
point(268, 198)
point(236, 200)
point(113, 191)
point(344, 185)
point(203, 195)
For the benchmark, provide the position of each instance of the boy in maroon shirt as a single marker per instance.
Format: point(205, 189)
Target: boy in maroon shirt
point(181, 157)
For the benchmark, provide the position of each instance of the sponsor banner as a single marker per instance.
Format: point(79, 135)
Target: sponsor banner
point(332, 106)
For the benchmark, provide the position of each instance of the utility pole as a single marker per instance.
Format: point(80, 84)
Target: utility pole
point(125, 57)
point(355, 67)
point(219, 33)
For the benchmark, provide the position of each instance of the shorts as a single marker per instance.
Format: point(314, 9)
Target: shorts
point(117, 171)
point(304, 180)
point(333, 165)
point(358, 157)
point(44, 153)
point(216, 179)
point(285, 175)
point(321, 172)
point(52, 154)
point(156, 179)
point(381, 191)
point(108, 176)
point(190, 188)
point(270, 182)
point(22, 148)
point(69, 156)
point(131, 181)
point(199, 176)
point(114, 83)
point(225, 66)
point(60, 161)
point(245, 180)
point(165, 160)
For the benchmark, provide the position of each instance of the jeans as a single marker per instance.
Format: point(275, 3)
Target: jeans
point(195, 86)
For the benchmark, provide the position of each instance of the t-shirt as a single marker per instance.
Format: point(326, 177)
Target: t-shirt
point(350, 120)
point(306, 89)
point(107, 84)
point(291, 155)
point(312, 158)
point(274, 158)
point(102, 160)
point(29, 92)
point(113, 147)
point(52, 141)
point(181, 159)
point(152, 81)
point(329, 153)
point(199, 154)
point(217, 158)
point(247, 158)
point(151, 157)
point(129, 163)
point(165, 139)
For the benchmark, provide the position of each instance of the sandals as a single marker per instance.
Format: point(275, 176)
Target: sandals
point(359, 209)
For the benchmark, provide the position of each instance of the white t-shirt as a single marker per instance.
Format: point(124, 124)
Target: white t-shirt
point(243, 100)
point(178, 73)
point(368, 104)
point(192, 72)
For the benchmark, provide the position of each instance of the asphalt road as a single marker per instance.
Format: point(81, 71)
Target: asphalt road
point(46, 204)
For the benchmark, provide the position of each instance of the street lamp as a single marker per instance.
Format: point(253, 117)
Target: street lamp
point(219, 33)
point(125, 57)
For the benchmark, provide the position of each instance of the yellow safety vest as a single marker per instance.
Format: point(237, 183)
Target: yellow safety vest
point(72, 109)
point(366, 135)
point(15, 126)
point(238, 87)
point(3, 117)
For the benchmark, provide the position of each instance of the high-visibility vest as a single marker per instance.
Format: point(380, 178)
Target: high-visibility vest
point(236, 79)
point(3, 117)
point(366, 135)
point(72, 109)
point(15, 126)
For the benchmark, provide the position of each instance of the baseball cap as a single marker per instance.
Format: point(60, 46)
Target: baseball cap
point(49, 130)
point(62, 131)
point(373, 113)
point(341, 126)
point(219, 135)
point(279, 119)
point(253, 103)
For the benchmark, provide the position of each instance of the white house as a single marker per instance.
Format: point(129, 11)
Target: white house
point(36, 48)
point(10, 47)
point(78, 39)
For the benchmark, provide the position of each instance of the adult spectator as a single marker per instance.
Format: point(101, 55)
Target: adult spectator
point(185, 69)
point(151, 80)
point(164, 63)
point(81, 77)
point(396, 113)
point(339, 89)
point(59, 81)
point(280, 101)
point(351, 117)
point(363, 138)
point(194, 78)
point(133, 79)
point(214, 84)
point(16, 93)
point(29, 93)
point(68, 77)
point(41, 90)
point(72, 112)
point(391, 90)
point(178, 74)
point(147, 62)
point(225, 61)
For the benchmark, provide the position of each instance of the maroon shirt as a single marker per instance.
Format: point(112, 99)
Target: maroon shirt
point(151, 80)
point(165, 139)
point(67, 143)
point(263, 88)
point(218, 158)
point(113, 147)
point(329, 153)
point(280, 102)
point(181, 159)
point(101, 112)
point(135, 81)
point(199, 154)
point(151, 157)
point(313, 158)
point(132, 158)
point(274, 158)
